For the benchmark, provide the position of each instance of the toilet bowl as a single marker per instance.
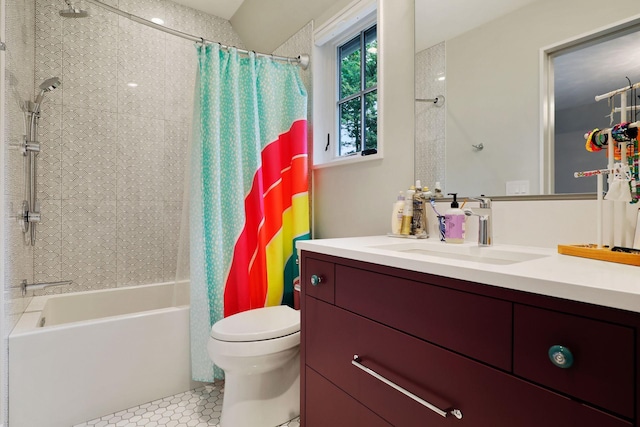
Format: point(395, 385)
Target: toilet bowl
point(259, 352)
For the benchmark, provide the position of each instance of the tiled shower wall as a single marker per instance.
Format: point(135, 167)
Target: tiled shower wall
point(112, 161)
point(430, 81)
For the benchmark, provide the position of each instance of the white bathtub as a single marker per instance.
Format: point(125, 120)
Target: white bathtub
point(98, 352)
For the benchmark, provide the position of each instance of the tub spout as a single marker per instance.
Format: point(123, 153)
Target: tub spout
point(38, 286)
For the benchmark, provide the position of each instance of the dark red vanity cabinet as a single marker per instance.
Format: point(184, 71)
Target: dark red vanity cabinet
point(426, 336)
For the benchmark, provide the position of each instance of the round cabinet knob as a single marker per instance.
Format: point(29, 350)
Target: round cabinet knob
point(560, 356)
point(316, 280)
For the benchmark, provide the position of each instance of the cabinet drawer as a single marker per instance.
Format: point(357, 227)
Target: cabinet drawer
point(477, 326)
point(327, 405)
point(603, 357)
point(487, 397)
point(322, 274)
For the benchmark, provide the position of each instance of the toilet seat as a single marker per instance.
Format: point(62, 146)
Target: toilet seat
point(257, 325)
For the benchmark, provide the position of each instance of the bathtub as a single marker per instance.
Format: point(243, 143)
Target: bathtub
point(77, 357)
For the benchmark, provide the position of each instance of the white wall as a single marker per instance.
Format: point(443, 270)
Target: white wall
point(356, 199)
point(493, 90)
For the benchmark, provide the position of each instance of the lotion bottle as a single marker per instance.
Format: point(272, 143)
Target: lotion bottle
point(454, 222)
point(407, 213)
point(396, 214)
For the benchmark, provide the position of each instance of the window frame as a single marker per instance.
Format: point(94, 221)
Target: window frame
point(362, 93)
point(357, 17)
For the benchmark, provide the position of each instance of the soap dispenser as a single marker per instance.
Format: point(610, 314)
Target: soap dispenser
point(454, 222)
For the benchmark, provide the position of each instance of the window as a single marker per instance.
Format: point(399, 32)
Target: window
point(345, 78)
point(357, 105)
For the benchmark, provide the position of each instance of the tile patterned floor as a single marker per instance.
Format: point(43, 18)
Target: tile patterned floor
point(196, 408)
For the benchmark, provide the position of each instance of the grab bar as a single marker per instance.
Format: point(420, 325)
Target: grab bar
point(38, 286)
point(455, 412)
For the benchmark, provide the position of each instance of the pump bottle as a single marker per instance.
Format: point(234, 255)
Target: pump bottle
point(454, 222)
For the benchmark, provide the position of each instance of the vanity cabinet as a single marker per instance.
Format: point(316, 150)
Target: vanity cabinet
point(385, 346)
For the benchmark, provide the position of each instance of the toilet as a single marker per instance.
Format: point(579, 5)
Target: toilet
point(259, 352)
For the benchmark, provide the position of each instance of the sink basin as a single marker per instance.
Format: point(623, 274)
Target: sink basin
point(465, 252)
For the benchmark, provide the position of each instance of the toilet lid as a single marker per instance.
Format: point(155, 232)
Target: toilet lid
point(258, 324)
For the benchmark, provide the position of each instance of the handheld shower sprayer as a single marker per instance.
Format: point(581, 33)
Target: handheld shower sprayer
point(46, 86)
point(29, 214)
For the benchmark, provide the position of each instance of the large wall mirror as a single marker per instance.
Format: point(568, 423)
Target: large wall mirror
point(505, 128)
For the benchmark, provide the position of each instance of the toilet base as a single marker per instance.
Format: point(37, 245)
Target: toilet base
point(262, 400)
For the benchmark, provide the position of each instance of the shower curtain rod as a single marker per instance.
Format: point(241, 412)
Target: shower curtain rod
point(302, 60)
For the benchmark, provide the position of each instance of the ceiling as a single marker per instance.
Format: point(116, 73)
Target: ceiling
point(436, 20)
point(222, 8)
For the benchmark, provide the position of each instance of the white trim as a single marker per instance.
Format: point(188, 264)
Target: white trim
point(345, 21)
point(348, 160)
point(356, 17)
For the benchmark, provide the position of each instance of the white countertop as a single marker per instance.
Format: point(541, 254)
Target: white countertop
point(597, 282)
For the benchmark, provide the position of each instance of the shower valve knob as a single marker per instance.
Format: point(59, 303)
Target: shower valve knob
point(31, 146)
point(34, 216)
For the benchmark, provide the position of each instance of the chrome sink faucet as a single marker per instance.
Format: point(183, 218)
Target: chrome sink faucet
point(484, 214)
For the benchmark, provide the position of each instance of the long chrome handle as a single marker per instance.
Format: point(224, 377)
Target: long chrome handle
point(443, 413)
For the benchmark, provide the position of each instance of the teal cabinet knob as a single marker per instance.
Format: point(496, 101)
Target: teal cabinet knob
point(561, 356)
point(316, 280)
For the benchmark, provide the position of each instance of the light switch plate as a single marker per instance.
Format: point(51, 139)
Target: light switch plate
point(517, 188)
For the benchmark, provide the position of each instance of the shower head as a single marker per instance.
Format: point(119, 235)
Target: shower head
point(46, 86)
point(50, 84)
point(73, 12)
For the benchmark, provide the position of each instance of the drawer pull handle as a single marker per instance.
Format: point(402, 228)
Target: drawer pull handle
point(316, 280)
point(455, 412)
point(560, 356)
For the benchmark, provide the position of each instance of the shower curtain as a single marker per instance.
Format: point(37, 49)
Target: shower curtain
point(249, 190)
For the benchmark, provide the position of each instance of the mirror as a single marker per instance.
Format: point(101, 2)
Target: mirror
point(489, 60)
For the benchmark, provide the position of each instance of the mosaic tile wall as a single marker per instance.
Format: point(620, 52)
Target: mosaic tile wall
point(430, 155)
point(112, 161)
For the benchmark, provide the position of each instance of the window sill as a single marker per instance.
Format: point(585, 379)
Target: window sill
point(347, 161)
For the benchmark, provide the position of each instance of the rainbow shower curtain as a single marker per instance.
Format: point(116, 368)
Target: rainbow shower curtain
point(249, 191)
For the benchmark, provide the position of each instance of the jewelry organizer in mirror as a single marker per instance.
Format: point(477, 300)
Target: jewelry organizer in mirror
point(509, 127)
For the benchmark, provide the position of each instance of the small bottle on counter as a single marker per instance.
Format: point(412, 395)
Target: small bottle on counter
point(419, 221)
point(396, 214)
point(437, 191)
point(407, 212)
